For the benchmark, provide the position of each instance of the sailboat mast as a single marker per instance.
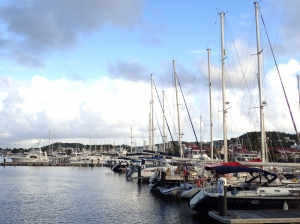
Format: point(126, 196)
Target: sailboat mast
point(90, 142)
point(178, 111)
point(261, 103)
point(298, 82)
point(131, 140)
point(200, 135)
point(152, 126)
point(210, 107)
point(49, 142)
point(223, 87)
point(164, 131)
point(150, 141)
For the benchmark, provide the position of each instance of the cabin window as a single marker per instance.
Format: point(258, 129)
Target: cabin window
point(261, 191)
point(277, 190)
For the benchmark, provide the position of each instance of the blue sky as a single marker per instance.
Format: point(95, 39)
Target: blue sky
point(83, 70)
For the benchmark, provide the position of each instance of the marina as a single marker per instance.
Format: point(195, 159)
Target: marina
point(231, 178)
point(58, 179)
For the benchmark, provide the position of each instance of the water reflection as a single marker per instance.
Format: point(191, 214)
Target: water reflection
point(84, 195)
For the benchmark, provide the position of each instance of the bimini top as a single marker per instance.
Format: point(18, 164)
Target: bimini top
point(242, 169)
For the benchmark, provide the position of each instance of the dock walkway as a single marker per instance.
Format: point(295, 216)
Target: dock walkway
point(258, 216)
point(52, 164)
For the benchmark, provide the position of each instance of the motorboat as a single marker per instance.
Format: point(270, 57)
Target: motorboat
point(189, 189)
point(170, 191)
point(120, 165)
point(120, 151)
point(7, 159)
point(198, 154)
point(83, 157)
point(148, 168)
point(259, 190)
point(35, 155)
point(246, 157)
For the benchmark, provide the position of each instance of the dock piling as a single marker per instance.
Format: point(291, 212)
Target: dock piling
point(222, 200)
point(139, 174)
point(163, 178)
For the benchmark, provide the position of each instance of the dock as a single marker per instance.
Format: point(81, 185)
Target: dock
point(54, 164)
point(258, 216)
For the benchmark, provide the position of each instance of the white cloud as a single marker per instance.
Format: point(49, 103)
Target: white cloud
point(105, 108)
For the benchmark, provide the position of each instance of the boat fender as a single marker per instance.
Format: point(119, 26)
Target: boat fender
point(285, 206)
point(200, 182)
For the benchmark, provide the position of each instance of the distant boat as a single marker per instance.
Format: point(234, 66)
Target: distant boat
point(120, 151)
point(83, 157)
point(8, 159)
point(34, 156)
point(198, 154)
point(121, 164)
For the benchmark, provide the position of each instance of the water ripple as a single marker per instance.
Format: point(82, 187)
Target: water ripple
point(84, 195)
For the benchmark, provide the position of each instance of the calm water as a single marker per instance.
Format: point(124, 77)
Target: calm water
point(32, 194)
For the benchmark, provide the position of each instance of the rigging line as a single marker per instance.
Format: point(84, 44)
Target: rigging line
point(164, 115)
point(195, 83)
point(171, 115)
point(277, 34)
point(240, 66)
point(287, 101)
point(212, 31)
point(187, 110)
point(269, 19)
point(159, 127)
point(218, 79)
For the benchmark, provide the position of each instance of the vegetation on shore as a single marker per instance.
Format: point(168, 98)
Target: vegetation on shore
point(250, 141)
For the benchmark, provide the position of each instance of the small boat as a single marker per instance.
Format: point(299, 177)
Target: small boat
point(189, 190)
point(171, 191)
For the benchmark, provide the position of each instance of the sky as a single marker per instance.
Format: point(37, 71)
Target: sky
point(80, 71)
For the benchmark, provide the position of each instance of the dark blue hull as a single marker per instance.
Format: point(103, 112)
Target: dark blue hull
point(208, 203)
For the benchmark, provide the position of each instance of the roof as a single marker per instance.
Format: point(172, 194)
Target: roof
point(238, 169)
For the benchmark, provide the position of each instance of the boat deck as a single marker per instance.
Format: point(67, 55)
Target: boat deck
point(258, 216)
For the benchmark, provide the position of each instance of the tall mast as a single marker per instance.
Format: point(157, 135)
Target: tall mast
point(164, 131)
point(223, 87)
point(178, 111)
point(90, 142)
point(261, 103)
point(49, 141)
point(130, 139)
point(298, 82)
point(151, 114)
point(150, 141)
point(200, 135)
point(210, 107)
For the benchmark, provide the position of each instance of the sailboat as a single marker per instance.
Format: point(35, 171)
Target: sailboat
point(259, 190)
